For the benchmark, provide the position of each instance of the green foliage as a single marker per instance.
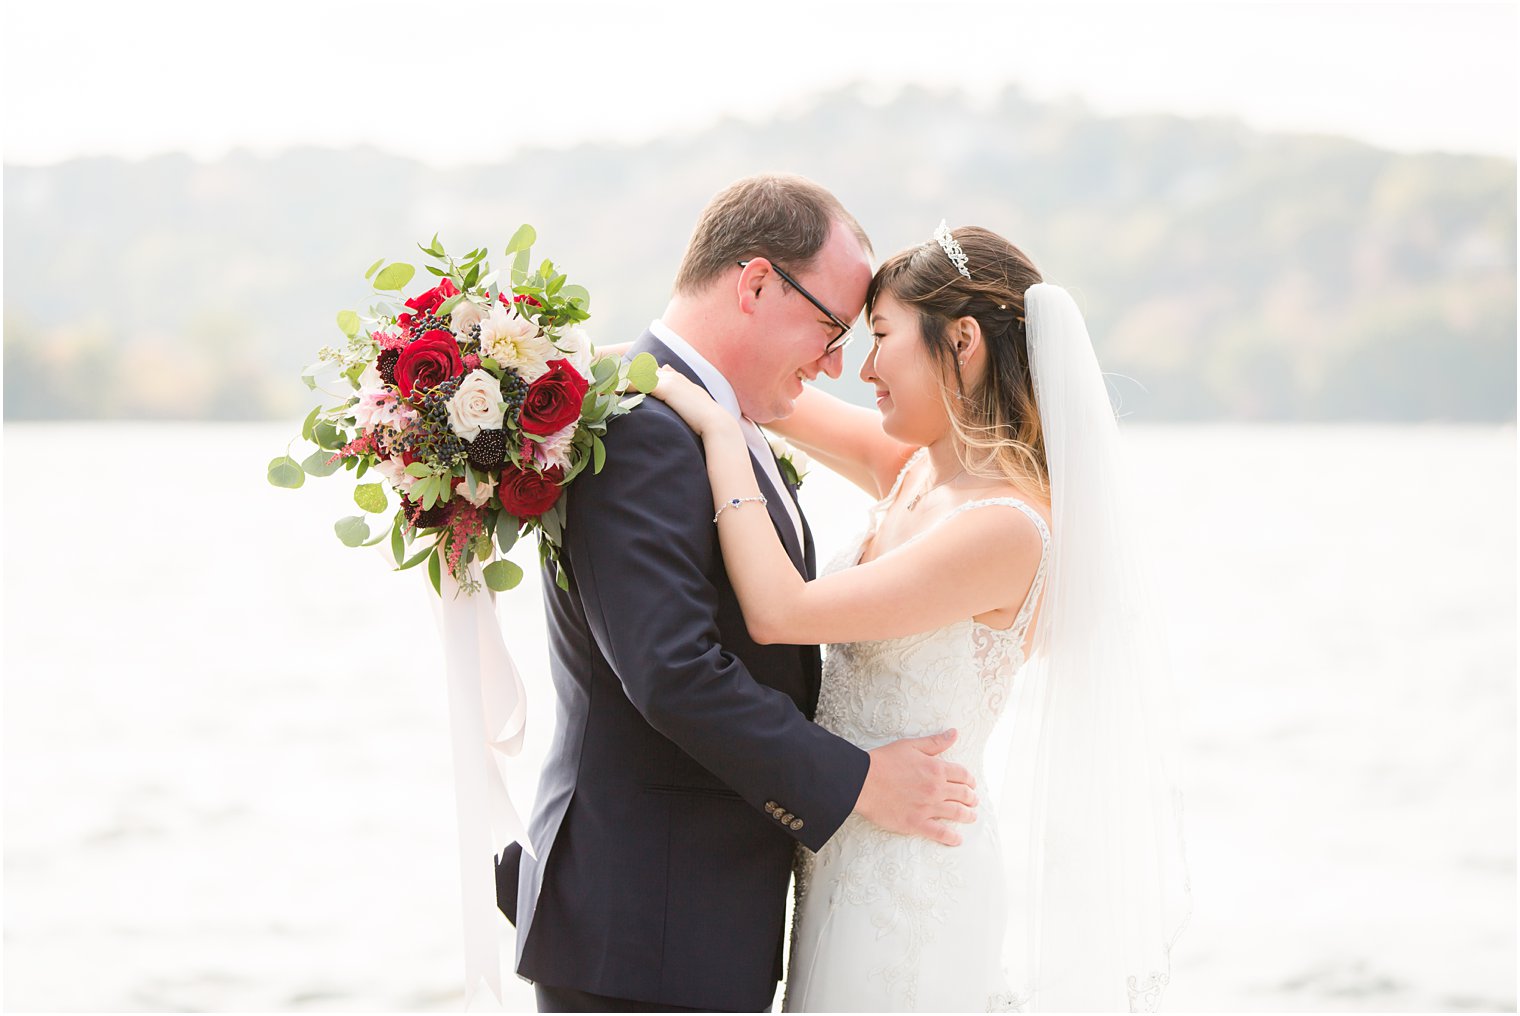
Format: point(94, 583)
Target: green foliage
point(370, 497)
point(352, 530)
point(393, 278)
point(317, 464)
point(502, 575)
point(644, 373)
point(435, 571)
point(286, 472)
point(522, 240)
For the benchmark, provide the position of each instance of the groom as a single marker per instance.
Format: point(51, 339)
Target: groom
point(685, 766)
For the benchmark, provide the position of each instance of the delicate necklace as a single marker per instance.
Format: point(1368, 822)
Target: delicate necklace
point(920, 495)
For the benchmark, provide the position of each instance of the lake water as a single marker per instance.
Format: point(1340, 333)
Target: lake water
point(227, 774)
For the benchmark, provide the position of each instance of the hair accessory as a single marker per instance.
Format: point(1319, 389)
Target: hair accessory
point(735, 502)
point(952, 248)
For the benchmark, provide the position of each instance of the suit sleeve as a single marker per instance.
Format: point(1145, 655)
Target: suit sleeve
point(639, 540)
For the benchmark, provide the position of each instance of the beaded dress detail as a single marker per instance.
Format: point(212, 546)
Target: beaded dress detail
point(885, 922)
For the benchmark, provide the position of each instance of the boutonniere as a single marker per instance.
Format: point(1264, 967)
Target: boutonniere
point(792, 461)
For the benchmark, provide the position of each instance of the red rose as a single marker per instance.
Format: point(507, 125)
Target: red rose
point(428, 362)
point(426, 303)
point(553, 402)
point(527, 492)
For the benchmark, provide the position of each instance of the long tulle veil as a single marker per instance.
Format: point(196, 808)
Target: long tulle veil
point(1090, 808)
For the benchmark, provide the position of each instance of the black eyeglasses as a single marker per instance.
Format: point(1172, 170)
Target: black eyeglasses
point(846, 332)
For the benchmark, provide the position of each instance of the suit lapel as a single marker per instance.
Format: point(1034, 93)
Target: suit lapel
point(662, 353)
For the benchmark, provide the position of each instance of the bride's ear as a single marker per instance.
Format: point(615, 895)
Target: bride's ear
point(966, 334)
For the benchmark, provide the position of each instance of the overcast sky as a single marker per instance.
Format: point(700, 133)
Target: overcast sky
point(138, 78)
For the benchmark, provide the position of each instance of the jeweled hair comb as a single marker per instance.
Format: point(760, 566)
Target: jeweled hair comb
point(952, 248)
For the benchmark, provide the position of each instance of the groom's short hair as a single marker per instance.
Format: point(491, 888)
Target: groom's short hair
point(778, 216)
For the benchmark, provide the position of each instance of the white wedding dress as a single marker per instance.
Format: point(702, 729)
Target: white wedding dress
point(885, 922)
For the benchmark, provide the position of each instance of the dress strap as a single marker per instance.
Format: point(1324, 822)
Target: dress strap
point(897, 483)
point(1021, 622)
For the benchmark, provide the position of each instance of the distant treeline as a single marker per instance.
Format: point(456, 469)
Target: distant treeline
point(1226, 274)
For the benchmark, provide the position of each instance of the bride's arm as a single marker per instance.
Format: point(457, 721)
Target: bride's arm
point(985, 562)
point(846, 438)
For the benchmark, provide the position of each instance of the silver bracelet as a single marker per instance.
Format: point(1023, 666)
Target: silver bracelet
point(736, 502)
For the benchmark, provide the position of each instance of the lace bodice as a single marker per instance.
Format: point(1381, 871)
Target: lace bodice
point(875, 909)
point(956, 676)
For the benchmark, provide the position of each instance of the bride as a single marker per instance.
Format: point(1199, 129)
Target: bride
point(998, 574)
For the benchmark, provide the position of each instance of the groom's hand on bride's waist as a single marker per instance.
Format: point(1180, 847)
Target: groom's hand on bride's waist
point(909, 789)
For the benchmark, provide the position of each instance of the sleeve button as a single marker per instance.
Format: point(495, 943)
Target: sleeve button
point(796, 824)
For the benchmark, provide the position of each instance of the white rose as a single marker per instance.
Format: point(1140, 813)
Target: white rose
point(514, 341)
point(476, 406)
point(465, 316)
point(575, 344)
point(483, 491)
point(781, 450)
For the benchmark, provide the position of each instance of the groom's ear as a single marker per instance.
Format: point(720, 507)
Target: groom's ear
point(751, 281)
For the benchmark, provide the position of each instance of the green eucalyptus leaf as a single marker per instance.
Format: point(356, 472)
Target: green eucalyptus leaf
point(561, 579)
point(525, 237)
point(576, 294)
point(352, 530)
point(398, 541)
point(348, 322)
point(394, 277)
point(549, 520)
point(306, 424)
point(435, 572)
point(286, 472)
point(447, 307)
point(327, 436)
point(370, 497)
point(604, 368)
point(371, 269)
point(502, 575)
point(418, 469)
point(316, 463)
point(644, 373)
point(506, 531)
point(418, 558)
point(598, 454)
point(519, 268)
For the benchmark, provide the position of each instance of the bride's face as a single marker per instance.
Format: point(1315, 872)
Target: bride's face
point(906, 380)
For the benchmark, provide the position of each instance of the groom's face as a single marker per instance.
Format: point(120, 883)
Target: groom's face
point(791, 333)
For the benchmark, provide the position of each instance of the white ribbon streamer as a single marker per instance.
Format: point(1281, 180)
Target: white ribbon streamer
point(487, 718)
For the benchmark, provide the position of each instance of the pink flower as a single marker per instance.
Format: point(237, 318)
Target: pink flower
point(389, 340)
point(554, 450)
point(381, 407)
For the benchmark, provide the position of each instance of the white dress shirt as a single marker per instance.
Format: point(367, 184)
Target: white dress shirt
point(723, 394)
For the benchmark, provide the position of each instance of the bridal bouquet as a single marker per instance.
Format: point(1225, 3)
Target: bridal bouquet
point(476, 402)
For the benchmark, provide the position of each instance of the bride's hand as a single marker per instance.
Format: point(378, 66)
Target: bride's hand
point(691, 401)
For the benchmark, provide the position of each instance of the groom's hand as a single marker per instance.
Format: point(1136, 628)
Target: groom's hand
point(910, 790)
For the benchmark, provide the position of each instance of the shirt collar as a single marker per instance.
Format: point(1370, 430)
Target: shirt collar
point(717, 385)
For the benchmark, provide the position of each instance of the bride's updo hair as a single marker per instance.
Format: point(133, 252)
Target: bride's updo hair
point(998, 421)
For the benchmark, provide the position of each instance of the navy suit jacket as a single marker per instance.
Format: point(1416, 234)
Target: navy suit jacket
point(685, 765)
